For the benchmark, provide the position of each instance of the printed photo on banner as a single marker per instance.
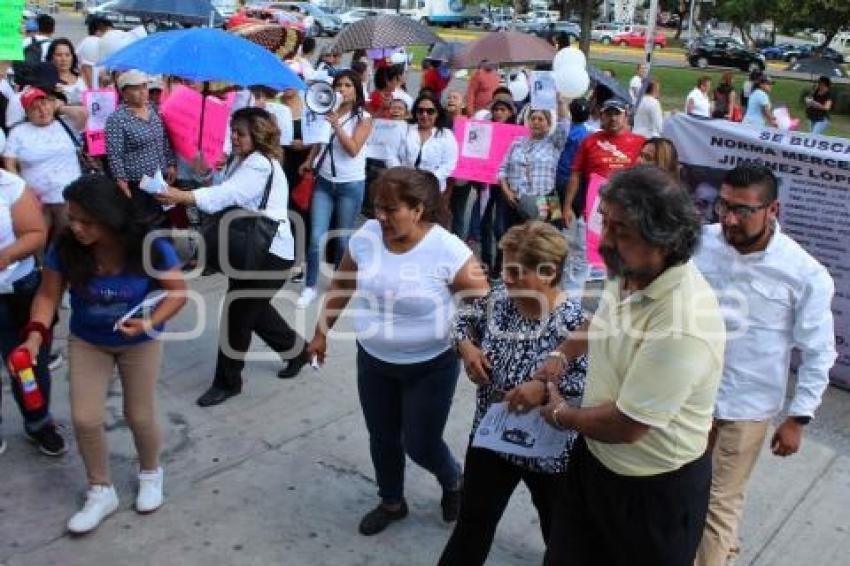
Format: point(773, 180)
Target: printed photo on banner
point(386, 137)
point(483, 146)
point(543, 93)
point(314, 128)
point(181, 113)
point(814, 193)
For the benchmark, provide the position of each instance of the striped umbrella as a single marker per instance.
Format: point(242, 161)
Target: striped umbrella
point(377, 32)
point(283, 41)
point(506, 48)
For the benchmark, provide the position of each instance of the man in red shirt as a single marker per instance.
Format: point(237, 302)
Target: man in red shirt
point(479, 91)
point(434, 77)
point(612, 148)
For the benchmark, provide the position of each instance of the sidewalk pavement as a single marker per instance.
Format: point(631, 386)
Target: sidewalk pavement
point(281, 475)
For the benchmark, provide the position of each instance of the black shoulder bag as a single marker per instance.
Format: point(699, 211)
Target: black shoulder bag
point(88, 164)
point(238, 239)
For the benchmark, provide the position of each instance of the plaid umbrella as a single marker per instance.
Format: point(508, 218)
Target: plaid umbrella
point(506, 48)
point(280, 40)
point(377, 32)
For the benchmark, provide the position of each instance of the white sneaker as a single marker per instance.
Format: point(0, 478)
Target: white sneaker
point(150, 491)
point(101, 502)
point(308, 295)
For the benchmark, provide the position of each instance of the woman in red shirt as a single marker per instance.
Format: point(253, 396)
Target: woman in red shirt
point(387, 80)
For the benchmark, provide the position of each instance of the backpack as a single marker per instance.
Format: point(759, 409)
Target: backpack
point(33, 53)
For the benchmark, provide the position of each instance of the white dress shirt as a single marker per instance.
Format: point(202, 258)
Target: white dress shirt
point(701, 103)
point(772, 301)
point(648, 118)
point(243, 186)
point(438, 154)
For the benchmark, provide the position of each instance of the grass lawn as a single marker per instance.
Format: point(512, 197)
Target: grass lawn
point(677, 83)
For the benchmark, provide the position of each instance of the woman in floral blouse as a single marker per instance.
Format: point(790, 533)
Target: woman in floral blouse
point(503, 338)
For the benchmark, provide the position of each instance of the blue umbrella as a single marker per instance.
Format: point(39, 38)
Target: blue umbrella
point(203, 55)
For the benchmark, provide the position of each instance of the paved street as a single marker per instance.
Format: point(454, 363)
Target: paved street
point(281, 475)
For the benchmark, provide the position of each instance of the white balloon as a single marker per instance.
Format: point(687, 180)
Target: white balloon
point(572, 84)
point(569, 58)
point(519, 87)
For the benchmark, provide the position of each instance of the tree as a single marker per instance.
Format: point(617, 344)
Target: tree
point(742, 13)
point(828, 15)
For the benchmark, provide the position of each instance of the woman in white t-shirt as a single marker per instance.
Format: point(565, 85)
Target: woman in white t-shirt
point(341, 176)
point(698, 102)
point(63, 56)
point(43, 152)
point(403, 271)
point(22, 236)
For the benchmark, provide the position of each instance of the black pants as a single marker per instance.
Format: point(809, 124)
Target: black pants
point(488, 483)
point(602, 518)
point(244, 315)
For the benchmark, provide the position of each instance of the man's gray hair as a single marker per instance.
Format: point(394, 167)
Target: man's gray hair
point(660, 207)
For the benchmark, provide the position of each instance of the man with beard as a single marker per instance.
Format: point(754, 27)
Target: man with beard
point(776, 297)
point(637, 486)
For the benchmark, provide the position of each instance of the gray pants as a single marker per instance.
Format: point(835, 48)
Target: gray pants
point(576, 269)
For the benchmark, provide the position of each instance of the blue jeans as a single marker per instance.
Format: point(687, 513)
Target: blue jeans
point(340, 201)
point(406, 407)
point(14, 314)
point(819, 126)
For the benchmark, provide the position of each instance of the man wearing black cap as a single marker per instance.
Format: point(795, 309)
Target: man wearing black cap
point(612, 148)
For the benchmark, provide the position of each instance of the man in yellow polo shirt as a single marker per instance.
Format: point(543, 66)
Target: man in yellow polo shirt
point(638, 482)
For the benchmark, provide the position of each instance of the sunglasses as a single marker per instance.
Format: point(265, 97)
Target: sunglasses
point(429, 111)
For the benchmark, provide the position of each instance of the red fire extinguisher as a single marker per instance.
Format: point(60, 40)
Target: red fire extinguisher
point(21, 363)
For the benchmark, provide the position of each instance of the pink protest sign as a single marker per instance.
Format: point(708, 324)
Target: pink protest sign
point(482, 147)
point(594, 221)
point(181, 113)
point(99, 103)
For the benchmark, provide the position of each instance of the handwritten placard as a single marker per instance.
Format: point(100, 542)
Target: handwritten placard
point(483, 146)
point(543, 93)
point(386, 137)
point(594, 220)
point(181, 113)
point(99, 104)
point(11, 39)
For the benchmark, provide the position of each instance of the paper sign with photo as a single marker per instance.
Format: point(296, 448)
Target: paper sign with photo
point(520, 434)
point(543, 93)
point(386, 137)
point(477, 141)
point(314, 128)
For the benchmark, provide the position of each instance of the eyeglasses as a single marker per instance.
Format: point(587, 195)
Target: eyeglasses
point(429, 111)
point(740, 211)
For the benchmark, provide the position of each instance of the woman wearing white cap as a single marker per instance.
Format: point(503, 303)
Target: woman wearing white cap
point(136, 142)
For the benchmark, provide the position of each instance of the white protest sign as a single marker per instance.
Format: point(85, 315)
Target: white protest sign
point(314, 128)
point(543, 92)
point(477, 141)
point(386, 138)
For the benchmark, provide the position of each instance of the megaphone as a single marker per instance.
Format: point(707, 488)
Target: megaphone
point(321, 98)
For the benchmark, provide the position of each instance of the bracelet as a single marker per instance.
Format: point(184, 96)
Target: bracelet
point(35, 326)
point(555, 418)
point(557, 354)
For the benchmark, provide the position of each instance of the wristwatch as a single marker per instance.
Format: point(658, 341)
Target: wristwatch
point(802, 420)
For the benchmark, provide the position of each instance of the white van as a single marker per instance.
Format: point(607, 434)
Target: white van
point(225, 7)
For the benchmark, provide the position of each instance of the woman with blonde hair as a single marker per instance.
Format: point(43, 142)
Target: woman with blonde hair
point(503, 338)
point(252, 171)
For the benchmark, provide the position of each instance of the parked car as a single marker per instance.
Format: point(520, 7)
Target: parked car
point(496, 23)
point(777, 52)
point(323, 23)
point(126, 22)
point(637, 38)
point(805, 51)
point(263, 14)
point(546, 30)
point(352, 16)
point(724, 52)
point(604, 32)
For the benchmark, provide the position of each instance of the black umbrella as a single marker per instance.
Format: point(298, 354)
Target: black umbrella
point(193, 12)
point(447, 51)
point(818, 66)
point(608, 83)
point(378, 32)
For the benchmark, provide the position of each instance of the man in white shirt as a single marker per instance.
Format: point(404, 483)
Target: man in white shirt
point(775, 297)
point(648, 117)
point(637, 82)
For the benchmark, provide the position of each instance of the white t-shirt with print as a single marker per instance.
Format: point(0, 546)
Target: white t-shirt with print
point(47, 158)
point(404, 306)
point(11, 189)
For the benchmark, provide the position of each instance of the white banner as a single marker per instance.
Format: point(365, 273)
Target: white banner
point(814, 192)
